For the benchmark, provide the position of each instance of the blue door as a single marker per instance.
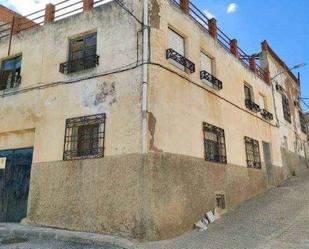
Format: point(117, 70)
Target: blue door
point(14, 183)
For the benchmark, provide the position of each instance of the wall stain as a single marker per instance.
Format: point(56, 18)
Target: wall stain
point(152, 129)
point(155, 14)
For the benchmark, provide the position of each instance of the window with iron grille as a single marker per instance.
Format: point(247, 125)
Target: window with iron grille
point(10, 73)
point(286, 109)
point(253, 153)
point(84, 137)
point(214, 142)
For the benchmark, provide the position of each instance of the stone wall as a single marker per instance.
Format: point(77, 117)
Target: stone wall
point(151, 197)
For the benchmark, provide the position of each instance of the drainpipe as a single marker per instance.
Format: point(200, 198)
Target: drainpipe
point(145, 78)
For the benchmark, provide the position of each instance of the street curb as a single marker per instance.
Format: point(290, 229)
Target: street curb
point(30, 232)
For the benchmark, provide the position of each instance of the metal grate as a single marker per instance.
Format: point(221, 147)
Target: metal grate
point(251, 105)
point(172, 54)
point(216, 84)
point(84, 137)
point(214, 142)
point(267, 115)
point(253, 153)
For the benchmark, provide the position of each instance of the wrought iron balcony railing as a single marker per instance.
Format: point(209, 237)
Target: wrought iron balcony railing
point(9, 84)
point(216, 84)
point(80, 64)
point(172, 54)
point(252, 106)
point(266, 114)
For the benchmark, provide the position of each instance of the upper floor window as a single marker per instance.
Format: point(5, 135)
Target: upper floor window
point(207, 63)
point(82, 54)
point(214, 142)
point(249, 99)
point(84, 137)
point(207, 72)
point(10, 73)
point(302, 121)
point(176, 52)
point(286, 109)
point(253, 153)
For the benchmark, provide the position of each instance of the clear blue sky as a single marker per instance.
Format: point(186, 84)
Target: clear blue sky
point(283, 23)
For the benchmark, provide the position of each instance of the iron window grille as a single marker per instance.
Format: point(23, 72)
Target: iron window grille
point(173, 55)
point(253, 153)
point(286, 109)
point(82, 54)
point(84, 137)
point(251, 105)
point(214, 143)
point(216, 84)
point(279, 88)
point(267, 115)
point(303, 124)
point(10, 73)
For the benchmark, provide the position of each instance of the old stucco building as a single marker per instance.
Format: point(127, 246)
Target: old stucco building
point(138, 117)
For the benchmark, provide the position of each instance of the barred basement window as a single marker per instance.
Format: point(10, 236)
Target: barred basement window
point(286, 109)
point(214, 142)
point(253, 153)
point(84, 137)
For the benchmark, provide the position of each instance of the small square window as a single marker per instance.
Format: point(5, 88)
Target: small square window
point(10, 73)
point(84, 137)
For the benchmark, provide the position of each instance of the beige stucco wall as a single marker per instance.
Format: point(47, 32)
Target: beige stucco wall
point(180, 102)
point(46, 98)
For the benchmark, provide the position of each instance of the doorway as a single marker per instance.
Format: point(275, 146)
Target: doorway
point(15, 168)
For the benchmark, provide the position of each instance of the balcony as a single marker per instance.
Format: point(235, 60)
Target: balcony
point(80, 64)
point(215, 83)
point(267, 115)
point(13, 82)
point(183, 61)
point(252, 106)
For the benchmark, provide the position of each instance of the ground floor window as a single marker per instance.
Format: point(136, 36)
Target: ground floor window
point(253, 153)
point(84, 137)
point(214, 142)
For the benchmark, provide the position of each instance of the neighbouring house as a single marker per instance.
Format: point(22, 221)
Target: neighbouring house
point(138, 117)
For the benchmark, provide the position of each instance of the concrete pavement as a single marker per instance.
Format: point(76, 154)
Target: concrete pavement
point(278, 219)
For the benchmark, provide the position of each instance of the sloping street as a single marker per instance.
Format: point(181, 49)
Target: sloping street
point(276, 219)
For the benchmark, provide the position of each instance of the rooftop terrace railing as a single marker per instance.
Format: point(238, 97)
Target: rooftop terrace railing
point(52, 12)
point(228, 44)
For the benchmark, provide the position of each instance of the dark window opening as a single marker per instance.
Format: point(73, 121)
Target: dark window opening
point(286, 109)
point(82, 54)
point(249, 103)
point(214, 142)
point(10, 73)
point(220, 201)
point(84, 137)
point(253, 153)
point(303, 124)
